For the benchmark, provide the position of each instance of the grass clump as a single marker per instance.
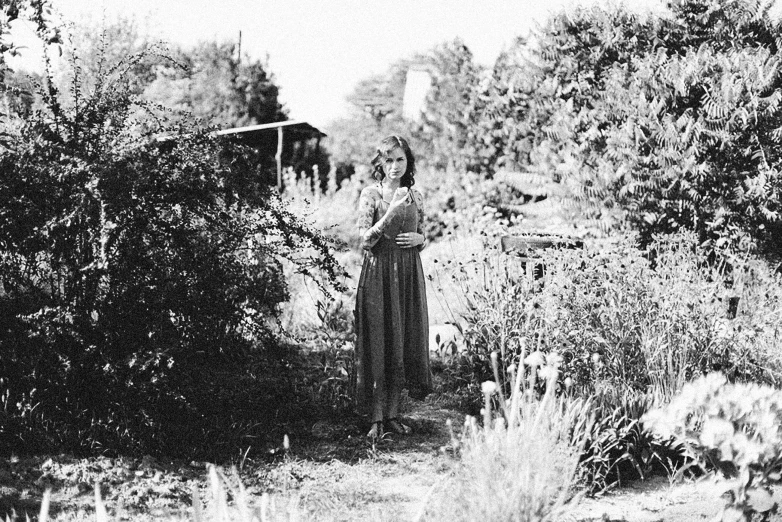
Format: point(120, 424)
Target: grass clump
point(520, 464)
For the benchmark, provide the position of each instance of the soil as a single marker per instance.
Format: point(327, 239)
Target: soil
point(336, 474)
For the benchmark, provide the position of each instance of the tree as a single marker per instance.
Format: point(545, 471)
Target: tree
point(380, 96)
point(39, 12)
point(450, 117)
point(212, 84)
point(94, 49)
point(665, 123)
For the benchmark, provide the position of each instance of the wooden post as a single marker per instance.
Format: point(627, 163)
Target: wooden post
point(278, 157)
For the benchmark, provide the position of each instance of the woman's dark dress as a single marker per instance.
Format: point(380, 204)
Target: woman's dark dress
point(392, 323)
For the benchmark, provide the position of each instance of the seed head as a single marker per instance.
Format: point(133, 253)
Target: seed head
point(488, 387)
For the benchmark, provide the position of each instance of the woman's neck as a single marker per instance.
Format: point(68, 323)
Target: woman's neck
point(393, 184)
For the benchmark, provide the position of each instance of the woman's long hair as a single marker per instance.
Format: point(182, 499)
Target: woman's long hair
point(386, 146)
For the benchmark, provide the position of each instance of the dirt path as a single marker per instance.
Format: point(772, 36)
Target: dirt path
point(335, 475)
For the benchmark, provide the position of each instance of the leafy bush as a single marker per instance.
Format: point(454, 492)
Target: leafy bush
point(131, 270)
point(734, 428)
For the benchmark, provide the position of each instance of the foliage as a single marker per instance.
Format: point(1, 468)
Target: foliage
point(621, 321)
point(692, 132)
point(134, 273)
point(631, 328)
point(218, 86)
point(618, 447)
point(520, 465)
point(670, 120)
point(735, 428)
point(448, 119)
point(94, 47)
point(39, 12)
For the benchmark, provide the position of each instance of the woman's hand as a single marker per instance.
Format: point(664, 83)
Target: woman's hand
point(400, 197)
point(409, 239)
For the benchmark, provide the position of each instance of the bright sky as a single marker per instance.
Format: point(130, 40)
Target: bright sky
point(319, 50)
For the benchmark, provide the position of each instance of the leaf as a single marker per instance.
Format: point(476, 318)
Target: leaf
point(745, 477)
point(731, 514)
point(760, 500)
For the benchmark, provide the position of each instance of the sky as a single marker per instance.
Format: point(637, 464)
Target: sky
point(319, 50)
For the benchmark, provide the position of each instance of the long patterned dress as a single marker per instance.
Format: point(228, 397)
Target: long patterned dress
point(392, 322)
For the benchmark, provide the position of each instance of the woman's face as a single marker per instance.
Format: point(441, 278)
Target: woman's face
point(395, 164)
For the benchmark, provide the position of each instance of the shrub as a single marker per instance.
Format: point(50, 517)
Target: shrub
point(734, 428)
point(133, 271)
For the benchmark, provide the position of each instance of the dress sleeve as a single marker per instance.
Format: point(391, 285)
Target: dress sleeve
point(419, 204)
point(366, 209)
point(370, 234)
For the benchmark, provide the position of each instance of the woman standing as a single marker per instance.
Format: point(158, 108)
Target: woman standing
point(391, 315)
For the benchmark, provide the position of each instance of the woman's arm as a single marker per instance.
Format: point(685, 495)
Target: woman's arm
point(419, 203)
point(414, 239)
point(369, 231)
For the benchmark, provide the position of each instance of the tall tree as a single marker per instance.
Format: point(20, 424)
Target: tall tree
point(96, 48)
point(39, 12)
point(218, 87)
point(673, 121)
point(450, 117)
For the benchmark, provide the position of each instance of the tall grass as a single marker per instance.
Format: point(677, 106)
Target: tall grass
point(228, 501)
point(520, 465)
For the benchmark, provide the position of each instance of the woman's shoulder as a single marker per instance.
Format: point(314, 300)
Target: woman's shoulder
point(371, 191)
point(417, 195)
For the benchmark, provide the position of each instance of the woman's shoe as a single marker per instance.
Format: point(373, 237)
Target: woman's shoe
point(376, 431)
point(397, 427)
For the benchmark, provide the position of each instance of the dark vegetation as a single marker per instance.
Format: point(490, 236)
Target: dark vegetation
point(141, 277)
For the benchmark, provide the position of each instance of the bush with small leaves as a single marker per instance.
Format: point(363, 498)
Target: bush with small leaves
point(135, 274)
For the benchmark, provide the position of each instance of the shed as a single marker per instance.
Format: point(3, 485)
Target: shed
point(272, 136)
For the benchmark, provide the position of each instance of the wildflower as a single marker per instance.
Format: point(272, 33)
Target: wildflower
point(554, 359)
point(568, 382)
point(488, 387)
point(596, 358)
point(536, 358)
point(548, 373)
